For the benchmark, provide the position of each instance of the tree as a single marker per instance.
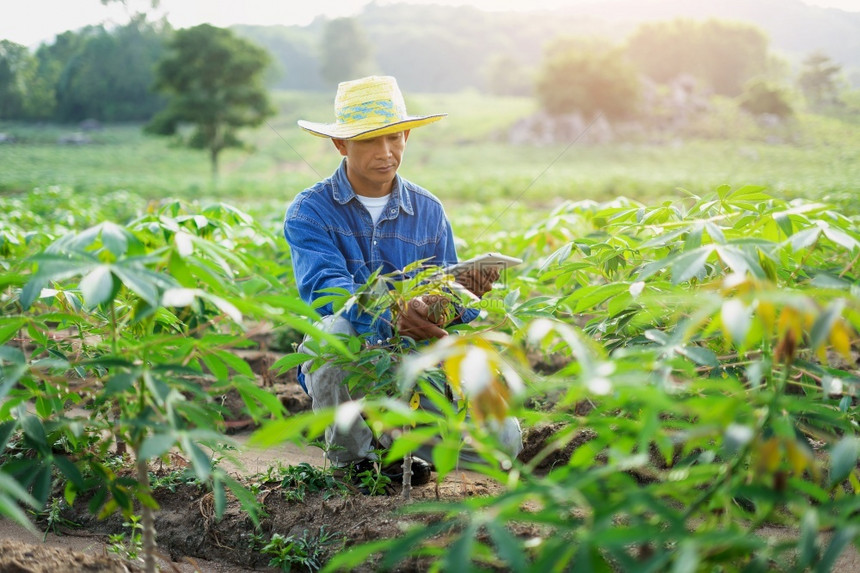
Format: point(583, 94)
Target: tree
point(111, 74)
point(214, 81)
point(587, 78)
point(818, 79)
point(724, 55)
point(51, 66)
point(345, 51)
point(761, 97)
point(14, 61)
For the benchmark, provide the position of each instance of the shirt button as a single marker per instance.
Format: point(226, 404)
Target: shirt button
point(374, 242)
point(393, 211)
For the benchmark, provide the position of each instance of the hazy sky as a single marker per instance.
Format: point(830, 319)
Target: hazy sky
point(31, 22)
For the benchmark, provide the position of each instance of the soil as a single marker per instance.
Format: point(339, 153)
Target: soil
point(191, 539)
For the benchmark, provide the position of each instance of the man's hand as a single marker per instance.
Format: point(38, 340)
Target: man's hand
point(415, 319)
point(479, 279)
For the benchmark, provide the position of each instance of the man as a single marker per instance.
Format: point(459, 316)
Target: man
point(363, 218)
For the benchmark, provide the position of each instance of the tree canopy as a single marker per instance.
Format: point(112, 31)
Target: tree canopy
point(762, 97)
point(345, 51)
point(92, 73)
point(819, 79)
point(214, 81)
point(588, 78)
point(14, 63)
point(111, 75)
point(724, 55)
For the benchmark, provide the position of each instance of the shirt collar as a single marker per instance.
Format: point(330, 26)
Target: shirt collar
point(343, 193)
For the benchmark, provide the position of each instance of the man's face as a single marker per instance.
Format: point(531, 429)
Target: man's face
point(373, 163)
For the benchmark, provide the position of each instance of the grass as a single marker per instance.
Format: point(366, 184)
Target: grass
point(462, 159)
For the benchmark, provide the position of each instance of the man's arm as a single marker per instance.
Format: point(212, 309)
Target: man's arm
point(318, 265)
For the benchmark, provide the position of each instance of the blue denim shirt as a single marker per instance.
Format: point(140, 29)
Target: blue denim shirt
point(334, 243)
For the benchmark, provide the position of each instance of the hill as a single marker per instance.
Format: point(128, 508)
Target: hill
point(434, 48)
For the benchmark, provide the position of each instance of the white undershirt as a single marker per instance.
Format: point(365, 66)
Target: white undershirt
point(374, 205)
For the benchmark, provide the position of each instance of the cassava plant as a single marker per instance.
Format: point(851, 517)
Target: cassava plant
point(134, 324)
point(709, 392)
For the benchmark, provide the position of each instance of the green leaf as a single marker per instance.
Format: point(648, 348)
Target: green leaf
point(290, 361)
point(216, 366)
point(246, 497)
point(687, 560)
point(750, 193)
point(13, 355)
point(657, 336)
point(34, 430)
point(739, 260)
point(70, 493)
point(114, 238)
point(664, 239)
point(508, 547)
point(803, 239)
point(251, 393)
point(224, 306)
point(843, 459)
point(293, 428)
point(589, 297)
point(156, 445)
point(824, 323)
point(690, 264)
point(137, 282)
point(220, 498)
point(784, 221)
point(31, 291)
point(9, 376)
point(843, 536)
point(6, 429)
point(121, 382)
point(694, 238)
point(699, 355)
point(841, 239)
point(180, 271)
point(736, 318)
point(56, 267)
point(236, 363)
point(715, 232)
point(458, 557)
point(808, 542)
point(69, 470)
point(9, 326)
point(410, 441)
point(10, 491)
point(445, 457)
point(42, 484)
point(199, 460)
point(350, 559)
point(98, 286)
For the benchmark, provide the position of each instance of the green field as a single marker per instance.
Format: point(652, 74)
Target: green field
point(462, 159)
point(685, 367)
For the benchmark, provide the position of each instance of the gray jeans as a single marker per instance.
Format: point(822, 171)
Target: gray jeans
point(327, 390)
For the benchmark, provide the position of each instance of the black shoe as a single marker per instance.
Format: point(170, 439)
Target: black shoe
point(420, 471)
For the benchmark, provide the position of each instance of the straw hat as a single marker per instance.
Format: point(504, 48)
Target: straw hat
point(368, 107)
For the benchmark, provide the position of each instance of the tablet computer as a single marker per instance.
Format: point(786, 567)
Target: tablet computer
point(483, 261)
